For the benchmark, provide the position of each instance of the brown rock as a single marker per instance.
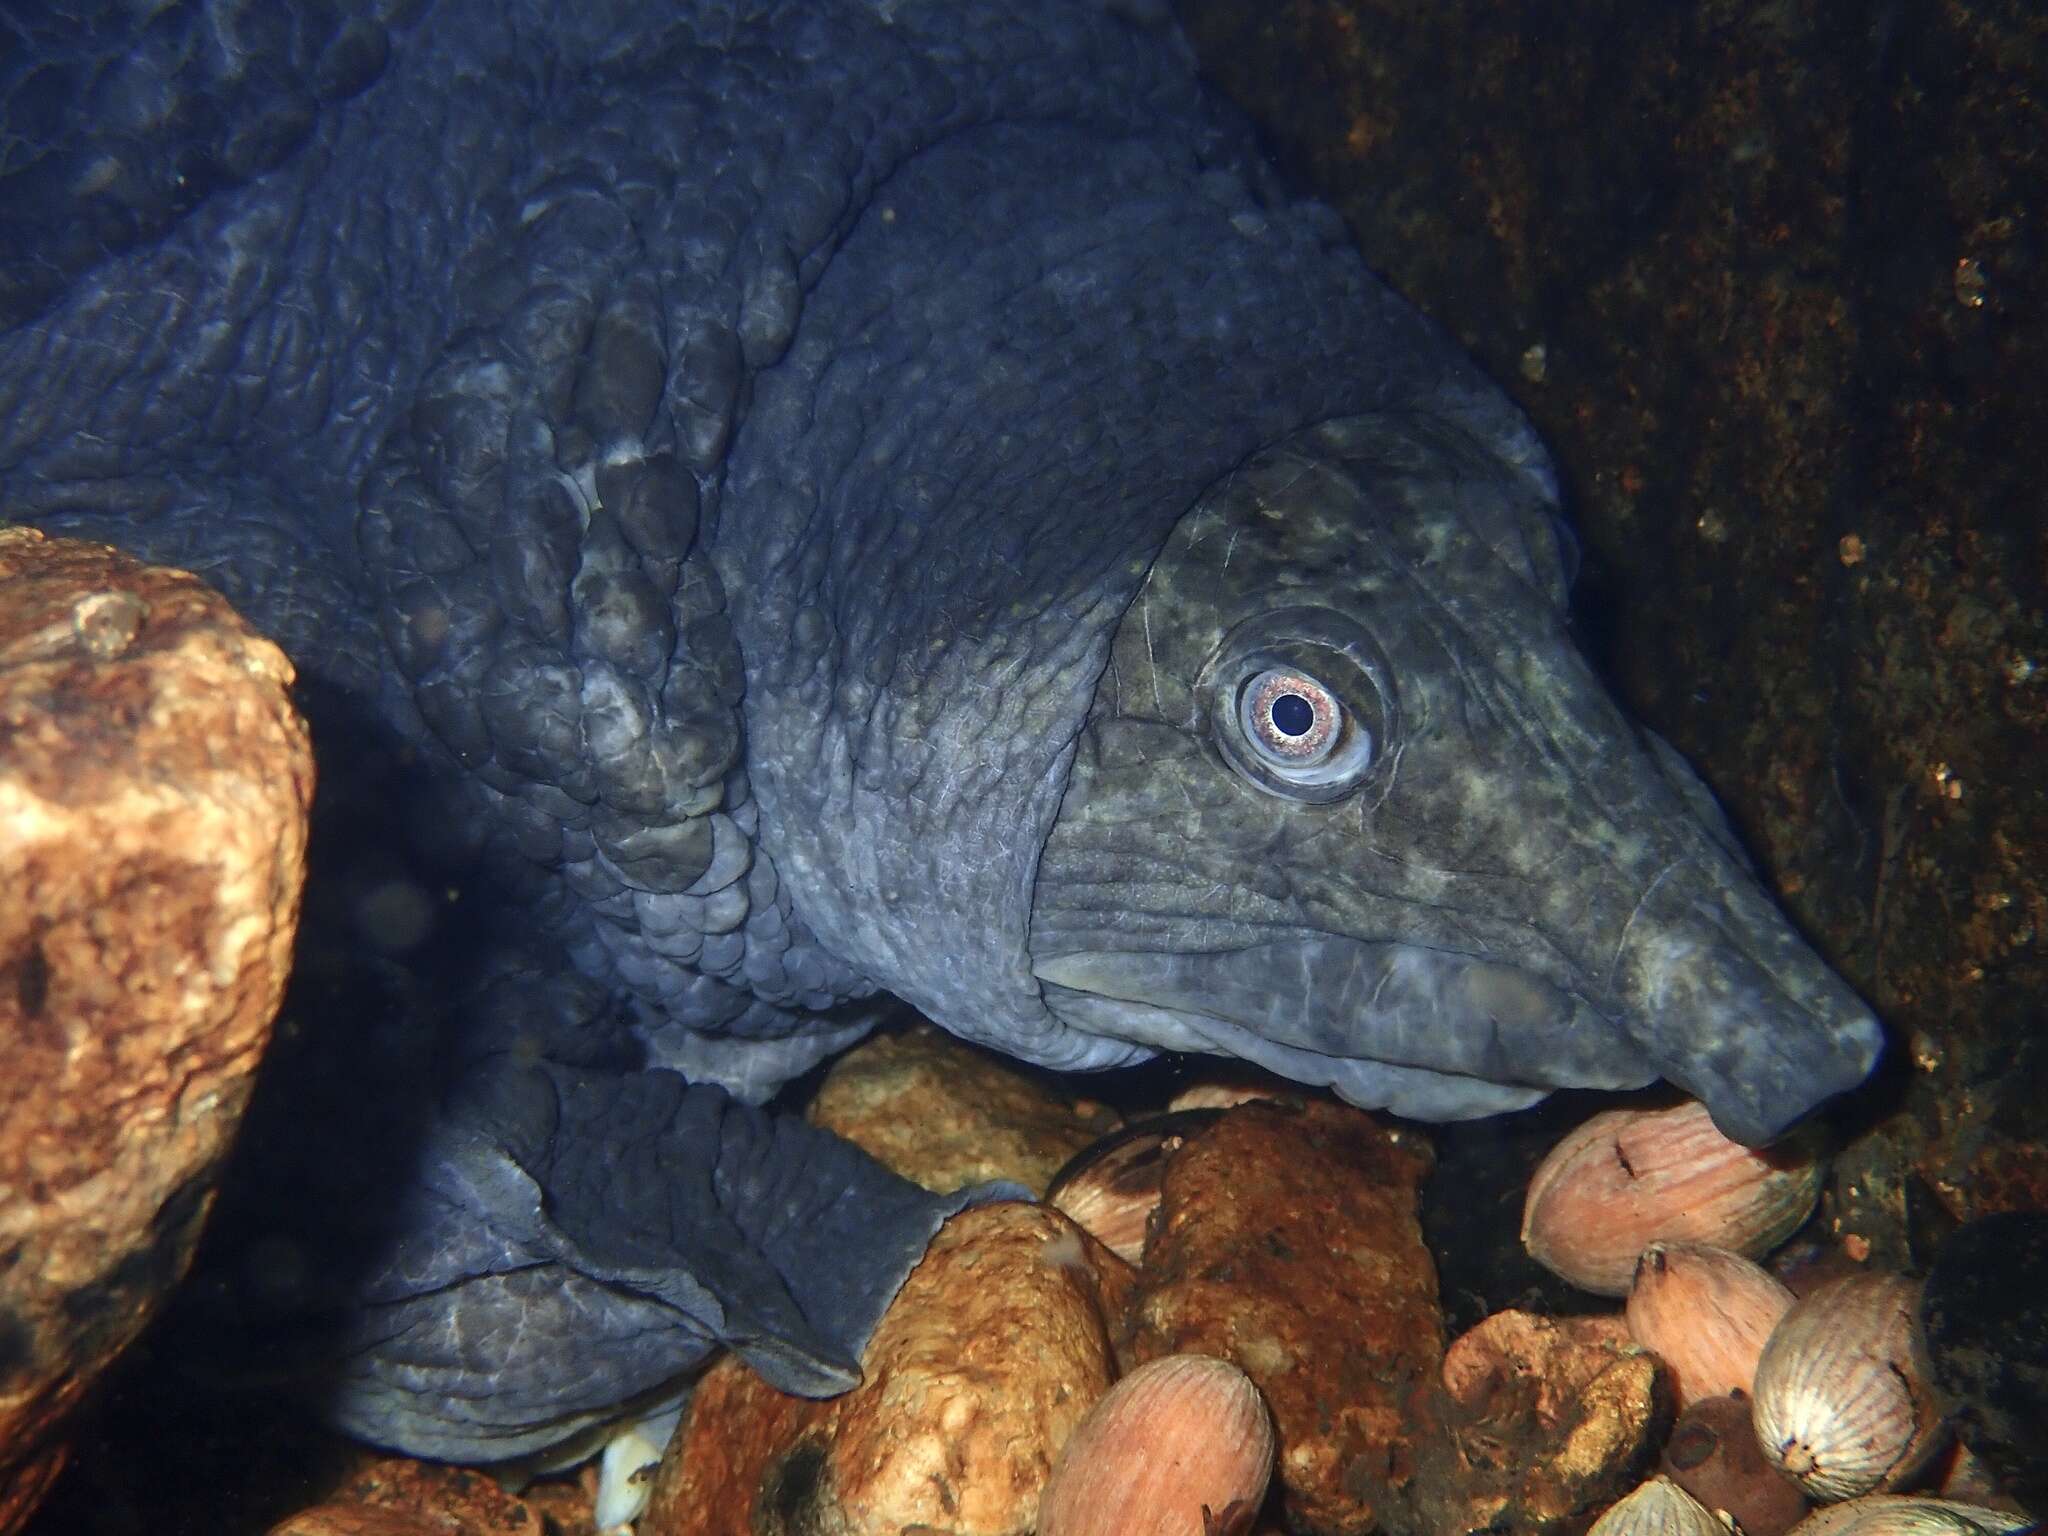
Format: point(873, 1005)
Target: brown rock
point(1713, 1455)
point(1287, 1242)
point(154, 782)
point(741, 1444)
point(1548, 1419)
point(1541, 1362)
point(391, 1496)
point(944, 1114)
point(992, 1352)
point(356, 1520)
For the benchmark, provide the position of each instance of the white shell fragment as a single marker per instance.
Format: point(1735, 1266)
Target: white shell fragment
point(1842, 1402)
point(625, 1476)
point(1658, 1507)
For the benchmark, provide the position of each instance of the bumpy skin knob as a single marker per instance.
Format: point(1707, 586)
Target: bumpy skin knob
point(532, 536)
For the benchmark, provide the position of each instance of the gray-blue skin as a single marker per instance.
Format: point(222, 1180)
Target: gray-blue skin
point(850, 499)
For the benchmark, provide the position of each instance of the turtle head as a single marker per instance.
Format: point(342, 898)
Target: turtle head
point(1349, 804)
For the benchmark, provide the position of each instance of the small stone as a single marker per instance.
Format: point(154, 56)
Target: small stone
point(154, 786)
point(1714, 1456)
point(992, 1353)
point(1549, 1419)
point(1543, 1363)
point(1287, 1242)
point(944, 1114)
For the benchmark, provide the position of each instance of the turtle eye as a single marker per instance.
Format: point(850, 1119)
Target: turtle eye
point(1290, 719)
point(1299, 702)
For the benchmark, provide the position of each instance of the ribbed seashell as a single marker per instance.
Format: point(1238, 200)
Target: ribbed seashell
point(1630, 1177)
point(1893, 1514)
point(1180, 1447)
point(1658, 1507)
point(1842, 1400)
point(1705, 1312)
point(1111, 1188)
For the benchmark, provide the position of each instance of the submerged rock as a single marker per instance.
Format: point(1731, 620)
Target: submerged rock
point(944, 1114)
point(1548, 1419)
point(995, 1349)
point(154, 785)
point(1287, 1242)
point(391, 1496)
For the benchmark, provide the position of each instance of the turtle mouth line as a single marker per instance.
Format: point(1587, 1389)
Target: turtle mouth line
point(1412, 1091)
point(1395, 1006)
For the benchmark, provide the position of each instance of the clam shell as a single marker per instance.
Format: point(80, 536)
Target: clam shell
point(1842, 1402)
point(1630, 1177)
point(1111, 1188)
point(1891, 1514)
point(1705, 1312)
point(1180, 1446)
point(1658, 1507)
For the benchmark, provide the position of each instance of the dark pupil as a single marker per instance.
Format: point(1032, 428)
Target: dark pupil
point(1293, 714)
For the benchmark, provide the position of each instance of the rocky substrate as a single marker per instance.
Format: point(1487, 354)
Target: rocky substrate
point(1273, 1235)
point(1272, 1231)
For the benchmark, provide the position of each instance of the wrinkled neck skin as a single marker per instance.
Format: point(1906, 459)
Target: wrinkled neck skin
point(1031, 355)
point(1504, 888)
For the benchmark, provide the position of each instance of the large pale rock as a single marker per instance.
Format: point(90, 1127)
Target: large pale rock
point(154, 784)
point(943, 1114)
point(992, 1353)
point(1287, 1241)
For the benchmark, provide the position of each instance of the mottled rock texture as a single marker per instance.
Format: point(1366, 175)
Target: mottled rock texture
point(1549, 1419)
point(992, 1353)
point(1287, 1242)
point(391, 1497)
point(154, 783)
point(944, 1114)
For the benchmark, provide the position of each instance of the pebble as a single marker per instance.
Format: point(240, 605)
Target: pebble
point(943, 1113)
point(1548, 1419)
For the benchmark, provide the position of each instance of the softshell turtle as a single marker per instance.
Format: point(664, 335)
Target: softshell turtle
point(844, 499)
